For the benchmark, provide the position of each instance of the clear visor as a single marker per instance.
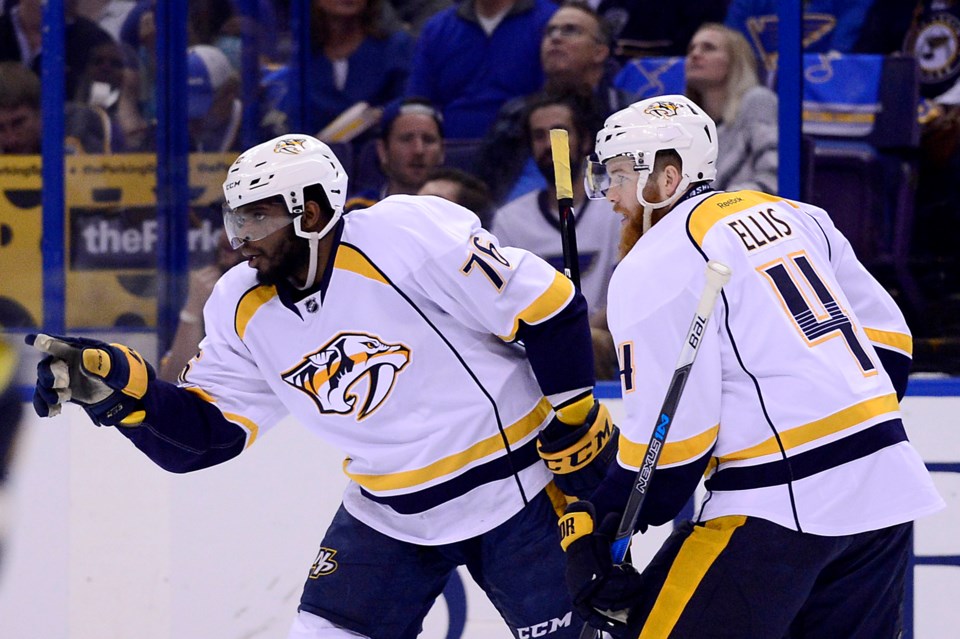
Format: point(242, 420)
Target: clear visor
point(251, 225)
point(598, 181)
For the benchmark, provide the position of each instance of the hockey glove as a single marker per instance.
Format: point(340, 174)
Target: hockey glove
point(602, 592)
point(107, 380)
point(578, 445)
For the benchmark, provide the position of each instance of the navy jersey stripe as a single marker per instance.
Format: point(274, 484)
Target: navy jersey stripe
point(811, 462)
point(494, 470)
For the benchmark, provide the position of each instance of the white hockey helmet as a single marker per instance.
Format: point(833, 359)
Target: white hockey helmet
point(651, 125)
point(285, 166)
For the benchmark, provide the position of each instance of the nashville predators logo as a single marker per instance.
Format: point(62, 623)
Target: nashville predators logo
point(291, 146)
point(663, 109)
point(333, 376)
point(324, 564)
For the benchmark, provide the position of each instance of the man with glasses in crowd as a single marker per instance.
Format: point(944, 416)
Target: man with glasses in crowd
point(574, 51)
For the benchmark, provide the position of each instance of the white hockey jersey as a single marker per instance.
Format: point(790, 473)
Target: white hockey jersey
point(404, 361)
point(788, 395)
point(529, 222)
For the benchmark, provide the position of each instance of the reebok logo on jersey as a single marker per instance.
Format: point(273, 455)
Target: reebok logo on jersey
point(334, 375)
point(324, 563)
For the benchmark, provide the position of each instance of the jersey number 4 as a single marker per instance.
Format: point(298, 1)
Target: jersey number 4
point(823, 319)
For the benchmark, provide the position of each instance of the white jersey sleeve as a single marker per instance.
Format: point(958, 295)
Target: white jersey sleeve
point(462, 267)
point(881, 318)
point(224, 372)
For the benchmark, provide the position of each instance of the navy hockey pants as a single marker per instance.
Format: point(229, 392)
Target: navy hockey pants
point(380, 587)
point(747, 578)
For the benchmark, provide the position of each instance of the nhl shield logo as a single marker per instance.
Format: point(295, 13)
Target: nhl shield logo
point(334, 375)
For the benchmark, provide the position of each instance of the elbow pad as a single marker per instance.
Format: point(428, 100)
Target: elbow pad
point(578, 455)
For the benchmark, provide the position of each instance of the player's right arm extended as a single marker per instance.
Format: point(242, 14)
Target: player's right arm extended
point(176, 428)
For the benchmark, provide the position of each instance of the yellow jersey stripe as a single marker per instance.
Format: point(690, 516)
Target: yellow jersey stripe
point(251, 301)
point(246, 424)
point(350, 259)
point(557, 295)
point(841, 420)
point(452, 463)
point(696, 555)
point(202, 394)
point(900, 341)
point(632, 453)
point(716, 207)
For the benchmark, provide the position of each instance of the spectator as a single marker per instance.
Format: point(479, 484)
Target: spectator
point(532, 221)
point(21, 35)
point(87, 129)
point(110, 81)
point(409, 147)
point(721, 75)
point(190, 329)
point(353, 60)
point(473, 57)
point(574, 49)
point(642, 27)
point(462, 187)
point(828, 25)
point(213, 101)
point(214, 22)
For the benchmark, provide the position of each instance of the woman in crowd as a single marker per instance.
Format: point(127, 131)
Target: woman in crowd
point(354, 59)
point(721, 76)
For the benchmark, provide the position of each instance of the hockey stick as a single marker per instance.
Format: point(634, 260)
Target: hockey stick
point(560, 149)
point(717, 276)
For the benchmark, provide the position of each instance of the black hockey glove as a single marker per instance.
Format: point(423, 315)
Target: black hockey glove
point(107, 380)
point(602, 592)
point(578, 451)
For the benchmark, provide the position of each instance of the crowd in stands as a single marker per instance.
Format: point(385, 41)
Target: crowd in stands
point(400, 85)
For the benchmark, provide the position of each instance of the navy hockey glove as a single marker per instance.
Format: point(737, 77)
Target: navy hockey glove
point(107, 380)
point(578, 445)
point(602, 592)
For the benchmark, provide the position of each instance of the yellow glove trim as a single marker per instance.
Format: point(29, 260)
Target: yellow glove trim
point(96, 361)
point(575, 413)
point(137, 384)
point(582, 452)
point(134, 419)
point(573, 526)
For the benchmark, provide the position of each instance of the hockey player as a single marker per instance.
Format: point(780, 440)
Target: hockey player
point(403, 334)
point(791, 410)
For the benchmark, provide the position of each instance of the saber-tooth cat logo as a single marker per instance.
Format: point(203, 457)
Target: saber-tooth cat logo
point(329, 374)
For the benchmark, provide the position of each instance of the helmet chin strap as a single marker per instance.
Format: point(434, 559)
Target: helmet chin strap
point(650, 207)
point(313, 240)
